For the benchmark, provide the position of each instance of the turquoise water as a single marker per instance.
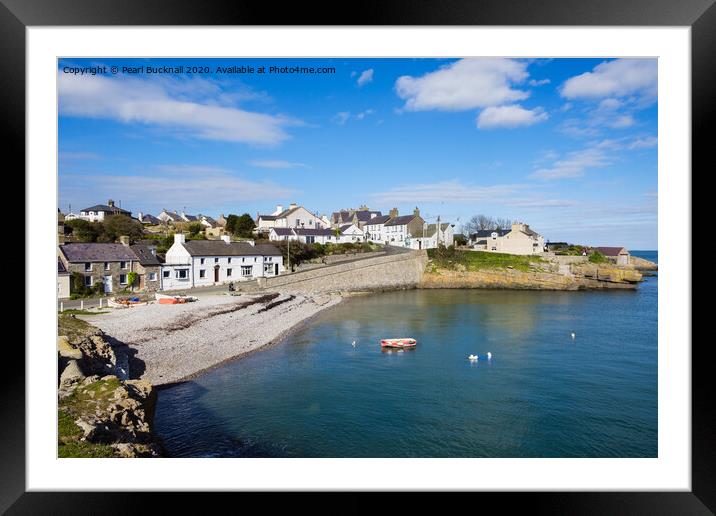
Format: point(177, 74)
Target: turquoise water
point(543, 394)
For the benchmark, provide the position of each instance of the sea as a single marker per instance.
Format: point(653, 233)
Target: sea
point(569, 374)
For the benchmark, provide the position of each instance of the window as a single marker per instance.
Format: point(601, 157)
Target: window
point(202, 273)
point(122, 265)
point(182, 273)
point(228, 272)
point(106, 266)
point(122, 279)
point(268, 268)
point(201, 261)
point(152, 276)
point(166, 273)
point(88, 281)
point(268, 259)
point(229, 259)
point(494, 248)
point(246, 270)
point(88, 266)
point(310, 239)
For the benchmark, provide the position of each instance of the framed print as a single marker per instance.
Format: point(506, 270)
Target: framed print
point(420, 249)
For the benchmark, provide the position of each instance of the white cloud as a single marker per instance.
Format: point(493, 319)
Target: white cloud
point(576, 163)
point(643, 143)
point(619, 78)
point(197, 187)
point(168, 103)
point(465, 84)
point(509, 117)
point(365, 77)
point(343, 116)
point(277, 163)
point(539, 82)
point(621, 122)
point(450, 191)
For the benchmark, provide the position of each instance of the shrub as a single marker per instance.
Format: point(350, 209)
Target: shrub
point(597, 257)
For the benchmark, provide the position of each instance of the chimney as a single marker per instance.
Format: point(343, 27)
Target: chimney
point(416, 212)
point(292, 206)
point(124, 240)
point(226, 238)
point(140, 216)
point(393, 213)
point(279, 209)
point(519, 226)
point(110, 203)
point(250, 242)
point(179, 238)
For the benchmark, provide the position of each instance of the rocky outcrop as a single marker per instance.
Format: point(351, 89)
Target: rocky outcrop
point(107, 410)
point(641, 264)
point(579, 277)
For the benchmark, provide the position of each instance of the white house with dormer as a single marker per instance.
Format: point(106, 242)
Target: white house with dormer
point(350, 233)
point(293, 217)
point(200, 263)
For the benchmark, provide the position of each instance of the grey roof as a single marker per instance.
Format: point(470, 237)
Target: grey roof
point(283, 231)
point(105, 208)
point(221, 248)
point(267, 217)
point(481, 233)
point(529, 232)
point(190, 218)
point(209, 220)
point(611, 251)
point(76, 252)
point(366, 215)
point(149, 219)
point(482, 242)
point(61, 270)
point(345, 227)
point(145, 255)
point(400, 221)
point(382, 219)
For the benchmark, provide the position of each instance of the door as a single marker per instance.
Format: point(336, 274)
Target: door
point(216, 274)
point(107, 284)
point(276, 269)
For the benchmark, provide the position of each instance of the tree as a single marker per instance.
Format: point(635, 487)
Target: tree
point(84, 230)
point(241, 226)
point(194, 228)
point(245, 226)
point(121, 225)
point(477, 223)
point(503, 223)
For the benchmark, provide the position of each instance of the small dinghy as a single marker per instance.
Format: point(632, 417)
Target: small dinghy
point(398, 343)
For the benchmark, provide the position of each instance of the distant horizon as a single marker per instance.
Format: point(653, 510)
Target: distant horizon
point(568, 146)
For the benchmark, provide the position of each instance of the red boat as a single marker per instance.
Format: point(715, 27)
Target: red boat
point(398, 343)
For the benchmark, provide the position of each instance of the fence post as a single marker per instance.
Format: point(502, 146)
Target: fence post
point(82, 304)
point(100, 302)
point(62, 306)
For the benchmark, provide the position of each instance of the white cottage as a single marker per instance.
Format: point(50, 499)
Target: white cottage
point(293, 217)
point(200, 263)
point(350, 233)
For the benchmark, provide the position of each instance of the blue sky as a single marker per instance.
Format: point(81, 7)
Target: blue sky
point(567, 145)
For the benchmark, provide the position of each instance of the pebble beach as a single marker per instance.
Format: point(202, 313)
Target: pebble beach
point(176, 342)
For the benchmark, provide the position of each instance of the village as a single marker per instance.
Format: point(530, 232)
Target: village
point(204, 251)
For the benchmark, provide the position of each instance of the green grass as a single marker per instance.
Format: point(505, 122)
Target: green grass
point(451, 259)
point(72, 327)
point(83, 449)
point(84, 400)
point(597, 257)
point(74, 311)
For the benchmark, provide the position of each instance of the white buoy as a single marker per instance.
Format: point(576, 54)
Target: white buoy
point(574, 335)
point(354, 344)
point(489, 356)
point(472, 357)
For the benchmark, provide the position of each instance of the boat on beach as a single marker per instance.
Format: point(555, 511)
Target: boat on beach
point(118, 302)
point(164, 299)
point(398, 343)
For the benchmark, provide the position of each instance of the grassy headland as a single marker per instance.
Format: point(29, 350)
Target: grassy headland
point(451, 259)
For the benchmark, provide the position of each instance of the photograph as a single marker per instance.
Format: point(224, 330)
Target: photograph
point(358, 257)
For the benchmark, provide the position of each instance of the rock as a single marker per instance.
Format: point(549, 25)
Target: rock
point(66, 349)
point(71, 376)
point(90, 379)
point(88, 429)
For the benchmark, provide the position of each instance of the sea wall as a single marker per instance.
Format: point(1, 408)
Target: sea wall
point(386, 272)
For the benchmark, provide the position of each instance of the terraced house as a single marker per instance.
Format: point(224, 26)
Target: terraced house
point(198, 263)
point(109, 264)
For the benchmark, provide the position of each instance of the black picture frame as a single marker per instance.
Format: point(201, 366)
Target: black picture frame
point(700, 15)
